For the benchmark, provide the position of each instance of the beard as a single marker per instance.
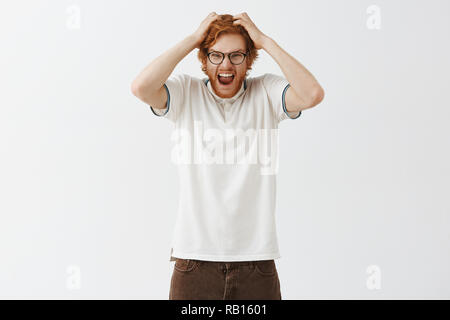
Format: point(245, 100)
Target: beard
point(226, 90)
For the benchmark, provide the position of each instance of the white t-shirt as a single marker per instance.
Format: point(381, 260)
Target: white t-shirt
point(226, 151)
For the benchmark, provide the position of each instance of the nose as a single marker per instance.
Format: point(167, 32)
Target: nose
point(226, 62)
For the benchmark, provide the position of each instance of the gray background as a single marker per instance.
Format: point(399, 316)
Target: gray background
point(87, 184)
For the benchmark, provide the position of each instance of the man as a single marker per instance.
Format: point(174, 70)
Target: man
point(225, 242)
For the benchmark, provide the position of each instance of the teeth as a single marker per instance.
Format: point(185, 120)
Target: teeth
point(225, 74)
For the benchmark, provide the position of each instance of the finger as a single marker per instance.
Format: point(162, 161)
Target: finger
point(241, 15)
point(240, 21)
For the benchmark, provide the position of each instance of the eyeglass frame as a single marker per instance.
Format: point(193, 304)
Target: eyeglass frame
point(228, 54)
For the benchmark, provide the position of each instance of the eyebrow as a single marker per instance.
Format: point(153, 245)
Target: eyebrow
point(228, 52)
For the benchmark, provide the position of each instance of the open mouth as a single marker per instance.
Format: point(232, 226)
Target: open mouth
point(225, 79)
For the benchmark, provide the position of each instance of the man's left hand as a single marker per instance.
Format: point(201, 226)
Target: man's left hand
point(255, 34)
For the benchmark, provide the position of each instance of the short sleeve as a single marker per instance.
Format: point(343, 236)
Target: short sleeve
point(175, 87)
point(276, 87)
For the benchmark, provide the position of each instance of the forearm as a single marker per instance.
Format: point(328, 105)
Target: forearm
point(301, 80)
point(153, 77)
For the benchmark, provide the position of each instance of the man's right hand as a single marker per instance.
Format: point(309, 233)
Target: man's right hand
point(200, 33)
point(149, 84)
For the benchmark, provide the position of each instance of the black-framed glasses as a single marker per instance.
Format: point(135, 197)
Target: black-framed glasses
point(236, 57)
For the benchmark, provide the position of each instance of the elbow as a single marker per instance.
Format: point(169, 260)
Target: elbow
point(317, 96)
point(135, 89)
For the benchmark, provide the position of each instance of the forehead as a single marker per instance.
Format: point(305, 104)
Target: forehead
point(229, 42)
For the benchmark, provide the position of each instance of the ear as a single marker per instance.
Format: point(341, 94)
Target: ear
point(203, 63)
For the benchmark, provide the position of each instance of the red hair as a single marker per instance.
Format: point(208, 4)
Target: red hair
point(223, 25)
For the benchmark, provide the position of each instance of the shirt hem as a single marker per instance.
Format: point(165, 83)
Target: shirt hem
point(225, 258)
